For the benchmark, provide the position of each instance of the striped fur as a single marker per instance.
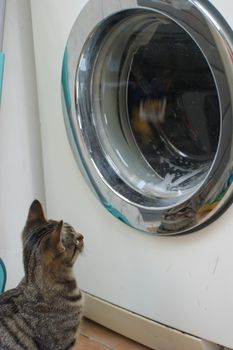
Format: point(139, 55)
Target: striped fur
point(45, 309)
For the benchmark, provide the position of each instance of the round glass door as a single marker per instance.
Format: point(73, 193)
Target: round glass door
point(151, 115)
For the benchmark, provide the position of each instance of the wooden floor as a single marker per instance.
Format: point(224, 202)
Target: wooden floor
point(95, 337)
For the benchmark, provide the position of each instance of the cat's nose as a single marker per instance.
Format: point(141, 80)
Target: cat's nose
point(80, 242)
point(80, 237)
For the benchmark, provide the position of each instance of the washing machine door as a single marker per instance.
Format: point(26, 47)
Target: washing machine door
point(147, 97)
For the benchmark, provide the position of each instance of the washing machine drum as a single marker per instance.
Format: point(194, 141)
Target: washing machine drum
point(147, 96)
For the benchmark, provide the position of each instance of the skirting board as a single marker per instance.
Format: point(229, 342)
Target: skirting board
point(140, 329)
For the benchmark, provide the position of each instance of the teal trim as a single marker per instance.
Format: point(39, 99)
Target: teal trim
point(2, 276)
point(2, 60)
point(116, 213)
point(65, 80)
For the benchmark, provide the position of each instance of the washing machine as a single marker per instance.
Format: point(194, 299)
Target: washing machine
point(135, 102)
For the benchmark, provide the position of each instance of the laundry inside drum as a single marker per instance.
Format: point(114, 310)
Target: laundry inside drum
point(155, 106)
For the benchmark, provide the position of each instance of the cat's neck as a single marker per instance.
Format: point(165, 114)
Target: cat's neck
point(51, 282)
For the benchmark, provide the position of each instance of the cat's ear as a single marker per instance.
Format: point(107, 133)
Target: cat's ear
point(35, 212)
point(56, 238)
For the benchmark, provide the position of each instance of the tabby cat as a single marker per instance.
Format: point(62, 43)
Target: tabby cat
point(44, 310)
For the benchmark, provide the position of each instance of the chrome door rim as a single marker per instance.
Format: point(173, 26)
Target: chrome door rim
point(187, 216)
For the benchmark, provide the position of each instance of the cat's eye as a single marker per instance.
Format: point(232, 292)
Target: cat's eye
point(151, 117)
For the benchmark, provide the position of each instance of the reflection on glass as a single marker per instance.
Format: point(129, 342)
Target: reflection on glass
point(154, 105)
point(173, 105)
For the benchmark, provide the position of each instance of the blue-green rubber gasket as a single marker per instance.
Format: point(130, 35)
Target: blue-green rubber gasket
point(2, 276)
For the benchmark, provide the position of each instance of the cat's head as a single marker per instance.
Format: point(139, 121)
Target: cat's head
point(48, 243)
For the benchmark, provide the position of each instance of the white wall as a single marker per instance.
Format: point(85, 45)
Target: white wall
point(21, 175)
